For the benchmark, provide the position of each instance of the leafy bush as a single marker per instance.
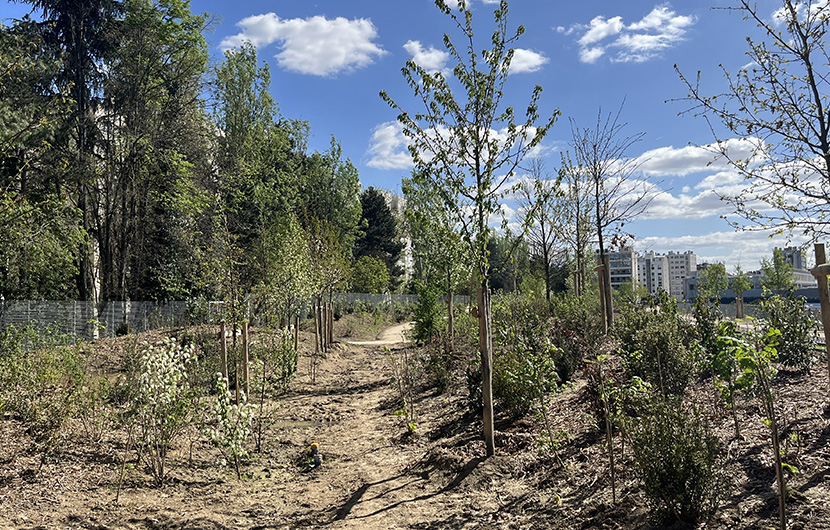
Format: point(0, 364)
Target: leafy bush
point(678, 460)
point(523, 362)
point(161, 401)
point(40, 374)
point(653, 345)
point(790, 315)
point(429, 313)
point(576, 329)
point(230, 424)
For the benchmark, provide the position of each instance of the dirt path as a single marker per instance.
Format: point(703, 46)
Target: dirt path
point(389, 336)
point(373, 475)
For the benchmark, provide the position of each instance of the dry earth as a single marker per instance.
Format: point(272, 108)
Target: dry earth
point(375, 476)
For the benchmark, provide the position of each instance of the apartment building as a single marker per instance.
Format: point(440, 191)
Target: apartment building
point(653, 272)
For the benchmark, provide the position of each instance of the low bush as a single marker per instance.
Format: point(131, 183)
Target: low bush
point(654, 347)
point(678, 460)
point(789, 314)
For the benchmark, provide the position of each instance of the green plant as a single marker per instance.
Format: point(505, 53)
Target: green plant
point(678, 459)
point(789, 314)
point(161, 402)
point(40, 375)
point(230, 424)
point(653, 347)
point(91, 408)
point(406, 373)
point(429, 322)
point(275, 365)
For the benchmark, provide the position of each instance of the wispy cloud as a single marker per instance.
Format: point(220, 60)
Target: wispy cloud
point(315, 45)
point(639, 41)
point(682, 161)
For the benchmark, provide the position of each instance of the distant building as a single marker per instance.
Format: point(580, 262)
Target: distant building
point(796, 258)
point(681, 266)
point(653, 272)
point(623, 264)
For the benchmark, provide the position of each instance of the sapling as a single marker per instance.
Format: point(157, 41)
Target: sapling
point(232, 424)
point(161, 401)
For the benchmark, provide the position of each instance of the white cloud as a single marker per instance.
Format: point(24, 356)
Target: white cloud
point(430, 59)
point(639, 41)
point(671, 161)
point(315, 45)
point(387, 149)
point(527, 61)
point(600, 29)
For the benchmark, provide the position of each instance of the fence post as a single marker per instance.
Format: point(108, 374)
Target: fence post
point(820, 273)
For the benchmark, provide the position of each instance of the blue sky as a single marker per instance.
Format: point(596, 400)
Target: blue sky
point(330, 58)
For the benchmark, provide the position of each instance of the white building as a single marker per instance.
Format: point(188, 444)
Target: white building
point(623, 265)
point(653, 272)
point(681, 266)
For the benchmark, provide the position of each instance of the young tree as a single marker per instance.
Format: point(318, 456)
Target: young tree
point(617, 196)
point(776, 273)
point(438, 250)
point(578, 220)
point(777, 106)
point(457, 147)
point(740, 284)
point(713, 280)
point(542, 204)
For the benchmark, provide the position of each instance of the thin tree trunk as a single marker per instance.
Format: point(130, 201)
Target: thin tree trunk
point(485, 345)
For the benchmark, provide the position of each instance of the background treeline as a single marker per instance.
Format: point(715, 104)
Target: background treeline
point(132, 168)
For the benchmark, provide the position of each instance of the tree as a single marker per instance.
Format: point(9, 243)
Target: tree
point(776, 273)
point(370, 275)
point(778, 109)
point(578, 221)
point(82, 34)
point(543, 203)
point(380, 234)
point(712, 281)
point(439, 254)
point(617, 196)
point(457, 149)
point(741, 283)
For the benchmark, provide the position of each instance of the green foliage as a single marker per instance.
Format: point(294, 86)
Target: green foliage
point(678, 459)
point(654, 345)
point(369, 275)
point(707, 320)
point(797, 325)
point(379, 238)
point(161, 402)
point(776, 273)
point(523, 364)
point(230, 424)
point(40, 376)
point(740, 283)
point(712, 281)
point(575, 329)
point(429, 314)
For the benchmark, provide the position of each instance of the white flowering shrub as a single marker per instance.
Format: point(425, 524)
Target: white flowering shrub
point(231, 423)
point(161, 401)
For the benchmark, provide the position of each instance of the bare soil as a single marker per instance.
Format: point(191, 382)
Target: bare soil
point(376, 476)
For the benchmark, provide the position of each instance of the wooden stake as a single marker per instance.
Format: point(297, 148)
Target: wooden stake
point(223, 350)
point(824, 297)
point(245, 360)
point(485, 344)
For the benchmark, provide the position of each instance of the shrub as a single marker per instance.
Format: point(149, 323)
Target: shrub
point(161, 402)
point(653, 348)
point(576, 329)
point(678, 460)
point(429, 313)
point(230, 424)
point(789, 314)
point(40, 374)
point(523, 363)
